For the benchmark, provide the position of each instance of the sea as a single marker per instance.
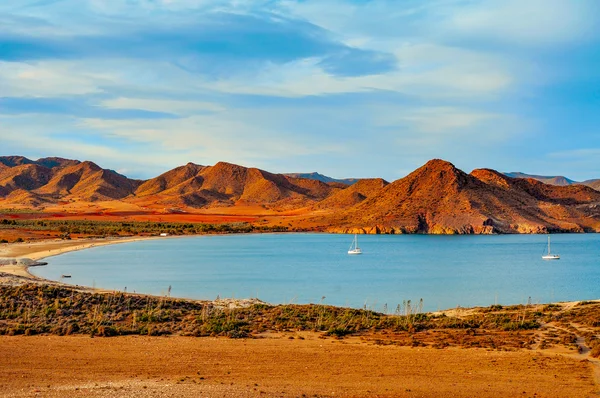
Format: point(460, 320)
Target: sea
point(437, 271)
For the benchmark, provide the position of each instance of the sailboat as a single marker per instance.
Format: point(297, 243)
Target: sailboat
point(550, 256)
point(354, 249)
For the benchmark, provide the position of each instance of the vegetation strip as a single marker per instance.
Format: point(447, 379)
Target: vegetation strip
point(42, 309)
point(66, 228)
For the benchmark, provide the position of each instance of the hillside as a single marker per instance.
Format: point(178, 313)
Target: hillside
point(226, 184)
point(556, 180)
point(168, 180)
point(354, 194)
point(88, 181)
point(322, 178)
point(592, 184)
point(551, 180)
point(438, 198)
point(48, 180)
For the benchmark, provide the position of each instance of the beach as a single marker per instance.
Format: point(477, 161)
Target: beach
point(40, 250)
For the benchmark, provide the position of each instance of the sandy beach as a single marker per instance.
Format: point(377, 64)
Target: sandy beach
point(40, 250)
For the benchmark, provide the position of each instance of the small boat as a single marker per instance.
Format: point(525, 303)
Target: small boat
point(550, 256)
point(65, 276)
point(354, 249)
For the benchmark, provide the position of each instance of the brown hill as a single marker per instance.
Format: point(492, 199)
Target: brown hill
point(55, 162)
point(550, 180)
point(354, 194)
point(439, 198)
point(88, 181)
point(323, 178)
point(12, 161)
point(226, 184)
point(168, 180)
point(23, 176)
point(26, 198)
point(436, 198)
point(595, 184)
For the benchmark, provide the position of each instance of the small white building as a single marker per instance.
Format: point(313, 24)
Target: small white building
point(164, 234)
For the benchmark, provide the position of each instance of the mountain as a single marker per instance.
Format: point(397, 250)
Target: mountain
point(557, 180)
point(354, 194)
point(592, 184)
point(226, 184)
point(169, 179)
point(12, 161)
point(55, 162)
point(552, 180)
point(438, 198)
point(27, 182)
point(88, 181)
point(322, 178)
point(23, 175)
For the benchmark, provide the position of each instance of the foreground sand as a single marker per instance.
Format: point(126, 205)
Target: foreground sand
point(191, 367)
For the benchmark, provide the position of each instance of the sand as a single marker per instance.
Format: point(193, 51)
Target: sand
point(190, 367)
point(48, 248)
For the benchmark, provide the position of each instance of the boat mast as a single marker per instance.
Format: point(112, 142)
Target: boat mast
point(548, 244)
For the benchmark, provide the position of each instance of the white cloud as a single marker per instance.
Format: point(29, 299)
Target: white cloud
point(48, 79)
point(429, 71)
point(436, 121)
point(531, 22)
point(162, 105)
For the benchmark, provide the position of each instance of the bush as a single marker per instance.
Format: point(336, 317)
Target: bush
point(338, 332)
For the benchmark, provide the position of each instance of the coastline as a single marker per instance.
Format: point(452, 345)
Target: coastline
point(37, 251)
point(480, 369)
point(40, 250)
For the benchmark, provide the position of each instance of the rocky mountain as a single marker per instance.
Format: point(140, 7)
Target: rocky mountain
point(353, 195)
point(322, 178)
point(168, 180)
point(592, 184)
point(23, 181)
point(552, 180)
point(438, 198)
point(226, 184)
point(88, 181)
point(556, 180)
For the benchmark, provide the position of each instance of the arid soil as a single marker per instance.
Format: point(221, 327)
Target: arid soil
point(276, 366)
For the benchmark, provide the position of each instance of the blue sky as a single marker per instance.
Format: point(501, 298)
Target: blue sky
point(348, 88)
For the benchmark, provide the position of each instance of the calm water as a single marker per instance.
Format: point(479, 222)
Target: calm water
point(445, 271)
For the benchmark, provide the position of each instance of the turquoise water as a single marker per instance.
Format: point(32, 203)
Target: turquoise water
point(445, 271)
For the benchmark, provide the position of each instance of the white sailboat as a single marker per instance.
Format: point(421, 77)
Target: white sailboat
point(550, 256)
point(354, 249)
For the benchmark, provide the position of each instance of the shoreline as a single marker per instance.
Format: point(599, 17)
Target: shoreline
point(41, 250)
point(37, 251)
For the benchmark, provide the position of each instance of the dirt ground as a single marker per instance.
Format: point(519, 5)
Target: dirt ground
point(275, 366)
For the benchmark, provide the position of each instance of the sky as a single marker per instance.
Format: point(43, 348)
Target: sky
point(348, 88)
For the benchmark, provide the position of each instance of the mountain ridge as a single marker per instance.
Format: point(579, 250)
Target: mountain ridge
point(436, 198)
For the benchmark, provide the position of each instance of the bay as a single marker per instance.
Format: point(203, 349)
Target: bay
point(443, 271)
